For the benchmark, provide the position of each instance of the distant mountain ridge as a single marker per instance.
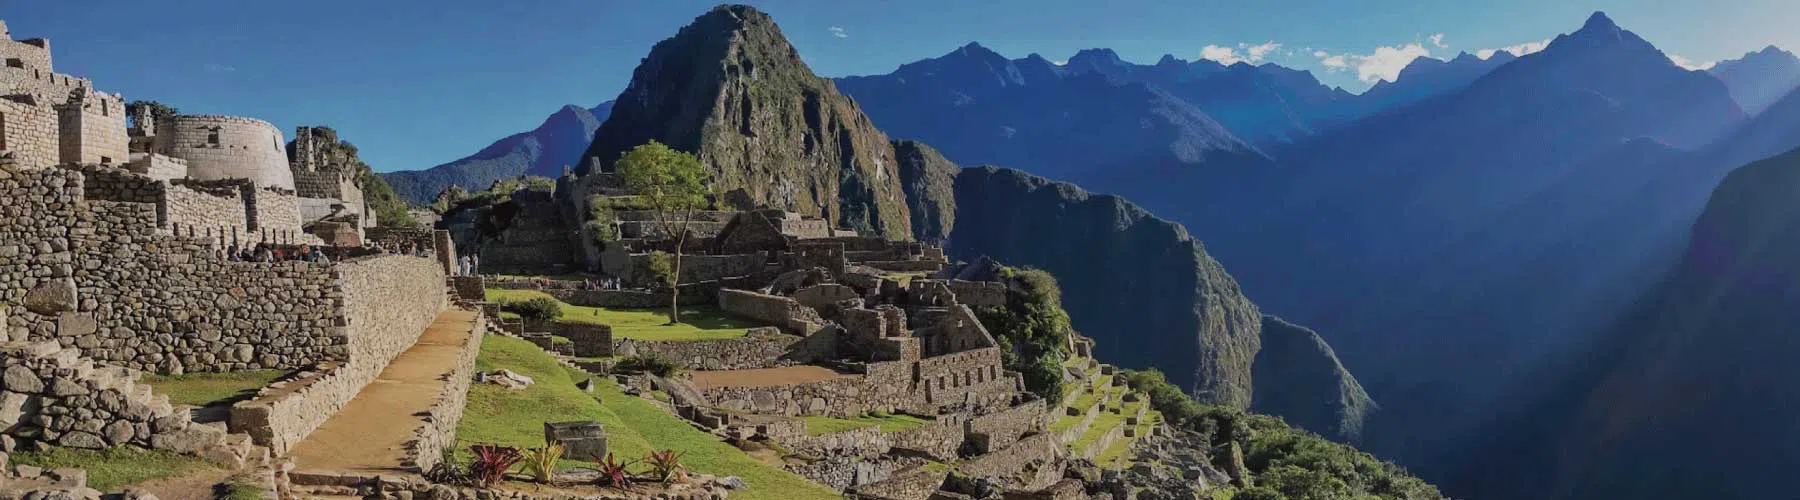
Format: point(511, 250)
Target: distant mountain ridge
point(1760, 78)
point(556, 143)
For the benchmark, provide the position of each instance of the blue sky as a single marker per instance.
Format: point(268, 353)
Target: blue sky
point(415, 83)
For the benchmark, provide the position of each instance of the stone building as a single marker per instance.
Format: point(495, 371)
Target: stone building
point(226, 178)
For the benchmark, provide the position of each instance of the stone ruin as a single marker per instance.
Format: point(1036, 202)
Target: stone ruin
point(224, 178)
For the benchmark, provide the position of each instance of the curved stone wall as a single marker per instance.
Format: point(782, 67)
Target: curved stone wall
point(227, 147)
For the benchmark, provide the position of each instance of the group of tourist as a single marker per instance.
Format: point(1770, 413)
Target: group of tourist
point(601, 284)
point(402, 248)
point(264, 252)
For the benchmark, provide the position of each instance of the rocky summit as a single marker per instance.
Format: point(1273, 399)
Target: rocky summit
point(731, 90)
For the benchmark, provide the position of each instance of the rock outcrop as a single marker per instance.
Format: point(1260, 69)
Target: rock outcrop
point(1299, 377)
point(730, 89)
point(1141, 286)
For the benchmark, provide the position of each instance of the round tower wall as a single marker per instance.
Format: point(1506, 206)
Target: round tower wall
point(227, 147)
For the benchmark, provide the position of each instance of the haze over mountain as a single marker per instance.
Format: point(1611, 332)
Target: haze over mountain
point(556, 143)
point(1467, 238)
point(1759, 78)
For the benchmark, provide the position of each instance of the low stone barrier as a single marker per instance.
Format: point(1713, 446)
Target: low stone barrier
point(914, 484)
point(761, 348)
point(390, 301)
point(438, 430)
point(1026, 464)
point(54, 396)
point(781, 311)
point(1003, 428)
point(939, 439)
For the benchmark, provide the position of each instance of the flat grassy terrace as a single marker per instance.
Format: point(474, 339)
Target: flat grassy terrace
point(633, 426)
point(888, 423)
point(207, 389)
point(697, 322)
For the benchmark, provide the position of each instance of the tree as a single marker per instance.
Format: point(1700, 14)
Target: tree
point(672, 185)
point(158, 111)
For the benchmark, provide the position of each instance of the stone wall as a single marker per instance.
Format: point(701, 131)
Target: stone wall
point(273, 209)
point(53, 396)
point(844, 397)
point(97, 275)
point(92, 129)
point(939, 439)
point(762, 348)
point(32, 54)
point(437, 429)
point(979, 293)
point(1031, 463)
point(781, 311)
point(1003, 428)
point(973, 377)
point(208, 208)
point(29, 130)
point(227, 147)
point(824, 294)
point(694, 268)
point(914, 484)
point(389, 300)
point(158, 167)
point(951, 330)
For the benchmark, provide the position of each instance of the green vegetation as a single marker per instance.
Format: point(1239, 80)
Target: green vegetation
point(673, 184)
point(634, 426)
point(697, 323)
point(116, 468)
point(540, 309)
point(1283, 462)
point(159, 112)
point(390, 209)
point(1032, 329)
point(655, 365)
point(243, 488)
point(887, 422)
point(206, 389)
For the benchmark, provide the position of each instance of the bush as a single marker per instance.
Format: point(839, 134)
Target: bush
point(653, 364)
point(1032, 329)
point(535, 309)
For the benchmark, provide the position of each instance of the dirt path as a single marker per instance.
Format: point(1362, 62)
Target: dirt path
point(369, 434)
point(763, 377)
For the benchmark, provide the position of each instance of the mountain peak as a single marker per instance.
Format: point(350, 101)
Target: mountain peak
point(1097, 57)
point(1600, 22)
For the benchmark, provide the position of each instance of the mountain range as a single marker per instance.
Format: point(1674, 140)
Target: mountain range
point(544, 151)
point(1510, 253)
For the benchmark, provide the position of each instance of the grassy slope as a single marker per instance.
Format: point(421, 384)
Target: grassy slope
point(201, 389)
point(698, 322)
point(114, 469)
point(634, 426)
point(816, 425)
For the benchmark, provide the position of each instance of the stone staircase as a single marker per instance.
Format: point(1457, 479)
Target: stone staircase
point(53, 396)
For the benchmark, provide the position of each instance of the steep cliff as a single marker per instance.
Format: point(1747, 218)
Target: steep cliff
point(1299, 377)
point(730, 89)
point(1141, 286)
point(930, 183)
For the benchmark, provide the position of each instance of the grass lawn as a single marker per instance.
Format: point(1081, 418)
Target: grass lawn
point(203, 389)
point(1103, 422)
point(888, 423)
point(117, 468)
point(1114, 456)
point(698, 322)
point(633, 426)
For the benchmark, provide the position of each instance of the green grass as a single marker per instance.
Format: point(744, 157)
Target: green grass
point(202, 389)
point(816, 425)
point(243, 488)
point(117, 468)
point(1103, 422)
point(1114, 455)
point(697, 322)
point(633, 426)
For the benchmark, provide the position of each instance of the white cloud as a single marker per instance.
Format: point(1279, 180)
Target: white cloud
point(838, 32)
point(1691, 65)
point(1383, 64)
point(1060, 62)
point(1438, 40)
point(1517, 50)
point(1250, 53)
